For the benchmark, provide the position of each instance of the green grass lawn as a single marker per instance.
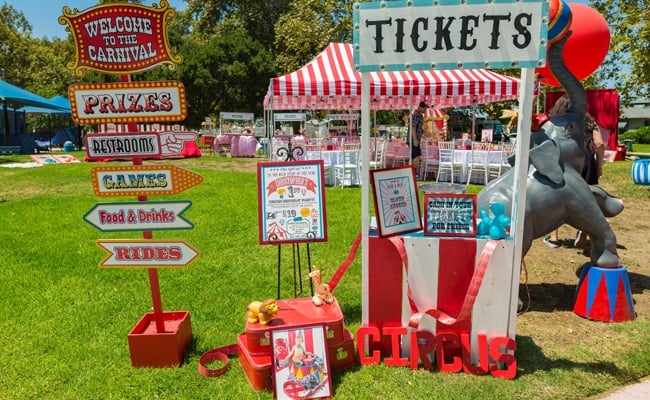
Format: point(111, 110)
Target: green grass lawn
point(640, 148)
point(65, 320)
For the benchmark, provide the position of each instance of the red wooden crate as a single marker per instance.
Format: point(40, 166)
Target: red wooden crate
point(294, 312)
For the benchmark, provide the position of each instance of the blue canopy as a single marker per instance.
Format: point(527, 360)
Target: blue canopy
point(59, 101)
point(10, 94)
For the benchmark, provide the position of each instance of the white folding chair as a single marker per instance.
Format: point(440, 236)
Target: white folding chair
point(315, 152)
point(496, 167)
point(402, 154)
point(478, 162)
point(379, 160)
point(446, 161)
point(346, 172)
point(430, 159)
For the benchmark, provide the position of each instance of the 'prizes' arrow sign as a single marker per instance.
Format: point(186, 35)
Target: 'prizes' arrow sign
point(142, 180)
point(147, 253)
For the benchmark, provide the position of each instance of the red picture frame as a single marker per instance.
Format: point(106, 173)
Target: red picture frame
point(396, 200)
point(300, 363)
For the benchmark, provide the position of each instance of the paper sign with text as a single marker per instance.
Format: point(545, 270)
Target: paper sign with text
point(449, 214)
point(291, 202)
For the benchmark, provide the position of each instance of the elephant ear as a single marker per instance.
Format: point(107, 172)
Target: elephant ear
point(546, 159)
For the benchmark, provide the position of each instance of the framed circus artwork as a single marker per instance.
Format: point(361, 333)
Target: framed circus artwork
point(397, 205)
point(291, 199)
point(300, 363)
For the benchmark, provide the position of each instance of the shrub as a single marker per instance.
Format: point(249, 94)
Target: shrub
point(641, 135)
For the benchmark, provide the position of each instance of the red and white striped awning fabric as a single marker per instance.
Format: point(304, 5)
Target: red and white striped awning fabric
point(329, 82)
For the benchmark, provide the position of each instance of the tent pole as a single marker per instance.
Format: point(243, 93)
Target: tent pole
point(409, 134)
point(365, 195)
point(6, 123)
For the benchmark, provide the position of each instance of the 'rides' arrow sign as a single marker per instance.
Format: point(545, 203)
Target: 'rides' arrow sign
point(147, 253)
point(139, 216)
point(142, 180)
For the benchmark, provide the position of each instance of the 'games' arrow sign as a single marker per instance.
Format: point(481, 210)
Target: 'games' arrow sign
point(139, 216)
point(142, 180)
point(147, 253)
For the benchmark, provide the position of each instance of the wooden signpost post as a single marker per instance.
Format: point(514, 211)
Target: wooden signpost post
point(105, 43)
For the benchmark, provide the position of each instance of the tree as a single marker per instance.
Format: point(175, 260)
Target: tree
point(628, 61)
point(257, 17)
point(15, 32)
point(308, 27)
point(227, 72)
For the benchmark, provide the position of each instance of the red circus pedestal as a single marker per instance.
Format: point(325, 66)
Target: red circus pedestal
point(150, 348)
point(604, 294)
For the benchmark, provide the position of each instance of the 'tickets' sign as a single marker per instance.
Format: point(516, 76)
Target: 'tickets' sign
point(121, 102)
point(120, 38)
point(422, 35)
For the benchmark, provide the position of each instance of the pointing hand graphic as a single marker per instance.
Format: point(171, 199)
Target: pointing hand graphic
point(171, 143)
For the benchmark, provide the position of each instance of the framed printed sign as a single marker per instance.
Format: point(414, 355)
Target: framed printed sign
point(397, 205)
point(301, 363)
point(449, 214)
point(291, 202)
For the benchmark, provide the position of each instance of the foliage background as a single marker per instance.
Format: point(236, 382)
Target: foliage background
point(231, 48)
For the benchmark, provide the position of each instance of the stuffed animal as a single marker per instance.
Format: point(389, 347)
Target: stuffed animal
point(323, 293)
point(262, 311)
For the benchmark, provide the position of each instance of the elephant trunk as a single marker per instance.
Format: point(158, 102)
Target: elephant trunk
point(575, 90)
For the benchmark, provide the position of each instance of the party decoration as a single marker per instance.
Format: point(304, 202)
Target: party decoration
point(262, 311)
point(559, 22)
point(585, 49)
point(556, 193)
point(323, 293)
point(495, 225)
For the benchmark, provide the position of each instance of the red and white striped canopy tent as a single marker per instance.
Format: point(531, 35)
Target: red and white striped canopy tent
point(329, 82)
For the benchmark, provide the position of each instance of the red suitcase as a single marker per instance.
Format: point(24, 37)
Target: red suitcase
point(257, 368)
point(300, 311)
point(342, 355)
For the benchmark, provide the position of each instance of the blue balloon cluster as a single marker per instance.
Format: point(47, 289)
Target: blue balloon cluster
point(494, 226)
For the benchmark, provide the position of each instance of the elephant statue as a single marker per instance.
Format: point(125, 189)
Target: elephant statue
point(556, 193)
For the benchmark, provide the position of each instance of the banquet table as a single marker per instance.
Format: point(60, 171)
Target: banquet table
point(332, 157)
point(463, 157)
point(240, 145)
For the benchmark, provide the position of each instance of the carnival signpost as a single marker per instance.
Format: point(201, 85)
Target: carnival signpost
point(122, 38)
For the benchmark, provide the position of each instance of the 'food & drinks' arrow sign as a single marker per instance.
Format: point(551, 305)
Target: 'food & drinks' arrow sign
point(139, 216)
point(142, 180)
point(147, 253)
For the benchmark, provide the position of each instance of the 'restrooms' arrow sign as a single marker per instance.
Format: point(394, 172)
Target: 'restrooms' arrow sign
point(147, 253)
point(139, 216)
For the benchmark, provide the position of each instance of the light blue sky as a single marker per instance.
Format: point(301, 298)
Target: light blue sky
point(44, 15)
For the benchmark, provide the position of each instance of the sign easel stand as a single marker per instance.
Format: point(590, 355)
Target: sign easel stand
point(291, 153)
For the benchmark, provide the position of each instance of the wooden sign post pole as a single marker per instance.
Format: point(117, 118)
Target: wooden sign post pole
point(154, 283)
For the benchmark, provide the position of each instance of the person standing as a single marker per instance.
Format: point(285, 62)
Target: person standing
point(416, 129)
point(593, 168)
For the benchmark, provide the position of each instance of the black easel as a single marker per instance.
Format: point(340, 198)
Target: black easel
point(291, 153)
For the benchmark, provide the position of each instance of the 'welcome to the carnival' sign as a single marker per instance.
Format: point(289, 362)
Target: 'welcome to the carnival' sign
point(449, 34)
point(120, 38)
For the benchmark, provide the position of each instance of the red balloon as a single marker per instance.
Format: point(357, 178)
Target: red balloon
point(587, 47)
